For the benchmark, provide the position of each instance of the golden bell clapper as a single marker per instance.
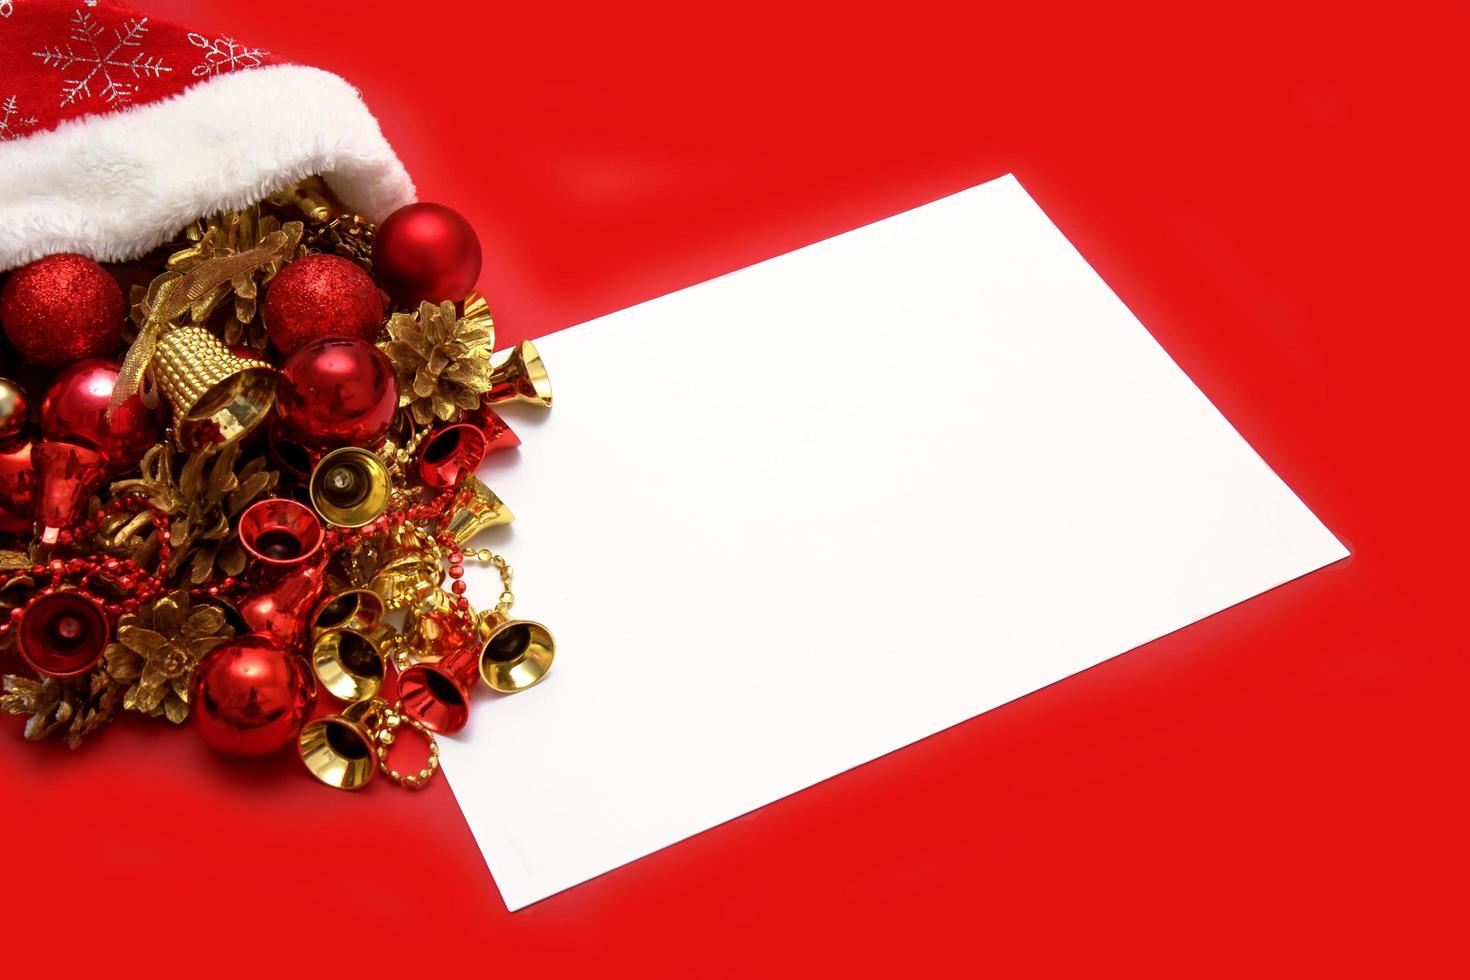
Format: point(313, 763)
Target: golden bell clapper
point(350, 486)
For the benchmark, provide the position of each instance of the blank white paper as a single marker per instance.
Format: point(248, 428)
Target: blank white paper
point(789, 520)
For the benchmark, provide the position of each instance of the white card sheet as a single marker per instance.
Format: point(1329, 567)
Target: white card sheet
point(794, 518)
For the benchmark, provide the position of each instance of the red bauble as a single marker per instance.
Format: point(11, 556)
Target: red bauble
point(426, 252)
point(339, 392)
point(61, 309)
point(17, 484)
point(249, 696)
point(321, 296)
point(75, 411)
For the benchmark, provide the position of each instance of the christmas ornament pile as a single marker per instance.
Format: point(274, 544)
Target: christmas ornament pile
point(234, 496)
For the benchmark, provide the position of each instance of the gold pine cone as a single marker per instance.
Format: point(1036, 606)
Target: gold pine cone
point(441, 359)
point(157, 649)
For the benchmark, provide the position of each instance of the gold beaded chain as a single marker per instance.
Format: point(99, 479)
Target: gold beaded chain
point(385, 735)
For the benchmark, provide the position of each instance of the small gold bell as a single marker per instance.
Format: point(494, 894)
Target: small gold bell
point(516, 655)
point(520, 377)
point(341, 750)
point(475, 508)
point(350, 486)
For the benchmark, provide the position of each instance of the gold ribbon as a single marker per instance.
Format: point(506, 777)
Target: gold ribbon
point(172, 294)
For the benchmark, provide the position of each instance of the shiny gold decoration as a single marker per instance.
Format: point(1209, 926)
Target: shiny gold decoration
point(217, 396)
point(345, 750)
point(71, 707)
point(520, 375)
point(475, 508)
point(173, 294)
point(350, 664)
point(157, 649)
point(350, 486)
point(227, 235)
point(311, 197)
point(441, 358)
point(516, 655)
point(203, 497)
point(410, 571)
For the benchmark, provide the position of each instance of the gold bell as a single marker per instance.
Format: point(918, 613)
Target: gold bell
point(516, 655)
point(520, 376)
point(412, 572)
point(217, 396)
point(341, 750)
point(350, 486)
point(349, 644)
point(475, 507)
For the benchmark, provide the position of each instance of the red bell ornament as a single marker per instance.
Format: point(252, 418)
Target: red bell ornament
point(426, 252)
point(62, 634)
point(250, 696)
point(75, 411)
point(437, 695)
point(321, 296)
point(17, 484)
point(338, 391)
point(454, 451)
point(285, 539)
point(61, 309)
point(68, 474)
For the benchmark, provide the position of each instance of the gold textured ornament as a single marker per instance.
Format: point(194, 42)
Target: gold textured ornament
point(441, 358)
point(475, 508)
point(520, 376)
point(217, 396)
point(410, 574)
point(350, 486)
point(157, 649)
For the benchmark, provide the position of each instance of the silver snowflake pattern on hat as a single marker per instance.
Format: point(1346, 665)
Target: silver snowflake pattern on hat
point(224, 53)
point(11, 121)
point(84, 54)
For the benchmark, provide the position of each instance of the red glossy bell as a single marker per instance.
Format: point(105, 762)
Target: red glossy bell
point(18, 484)
point(455, 451)
point(75, 411)
point(338, 391)
point(281, 533)
point(279, 604)
point(437, 695)
point(68, 475)
point(250, 696)
point(62, 634)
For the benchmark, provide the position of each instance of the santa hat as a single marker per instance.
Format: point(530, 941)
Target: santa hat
point(117, 129)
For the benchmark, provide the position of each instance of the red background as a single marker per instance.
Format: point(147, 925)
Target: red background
point(1277, 190)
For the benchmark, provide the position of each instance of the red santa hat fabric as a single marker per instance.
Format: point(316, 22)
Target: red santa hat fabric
point(117, 129)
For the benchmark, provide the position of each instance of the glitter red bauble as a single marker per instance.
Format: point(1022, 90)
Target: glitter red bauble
point(75, 411)
point(338, 391)
point(426, 252)
point(62, 308)
point(321, 296)
point(249, 696)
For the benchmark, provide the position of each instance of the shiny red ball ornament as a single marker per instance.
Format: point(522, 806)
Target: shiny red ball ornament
point(61, 309)
point(338, 391)
point(18, 483)
point(426, 252)
point(321, 296)
point(75, 411)
point(249, 696)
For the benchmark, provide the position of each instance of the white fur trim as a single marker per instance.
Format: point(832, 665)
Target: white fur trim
point(117, 185)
